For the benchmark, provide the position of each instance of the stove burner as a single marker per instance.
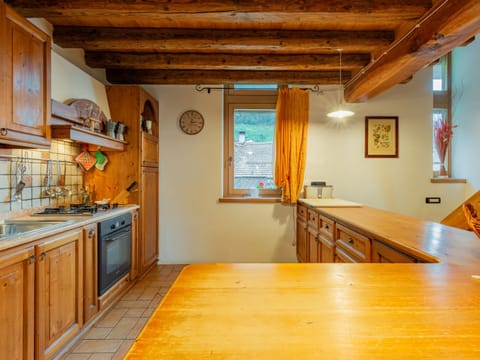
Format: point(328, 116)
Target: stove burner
point(74, 209)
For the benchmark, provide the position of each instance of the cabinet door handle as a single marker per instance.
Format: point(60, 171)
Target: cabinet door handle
point(42, 256)
point(326, 226)
point(4, 131)
point(350, 240)
point(31, 259)
point(91, 233)
point(135, 216)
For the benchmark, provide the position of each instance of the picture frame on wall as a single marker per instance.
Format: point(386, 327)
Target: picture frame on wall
point(381, 136)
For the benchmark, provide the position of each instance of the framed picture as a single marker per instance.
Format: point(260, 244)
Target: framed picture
point(381, 136)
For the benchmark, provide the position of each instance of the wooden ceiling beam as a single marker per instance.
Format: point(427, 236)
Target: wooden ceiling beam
point(176, 61)
point(235, 41)
point(447, 25)
point(46, 8)
point(128, 76)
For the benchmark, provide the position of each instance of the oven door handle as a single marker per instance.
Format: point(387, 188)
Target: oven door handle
point(115, 237)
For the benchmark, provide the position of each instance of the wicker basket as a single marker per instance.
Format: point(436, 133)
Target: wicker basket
point(472, 216)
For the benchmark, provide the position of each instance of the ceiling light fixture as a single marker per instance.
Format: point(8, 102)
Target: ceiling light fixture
point(340, 113)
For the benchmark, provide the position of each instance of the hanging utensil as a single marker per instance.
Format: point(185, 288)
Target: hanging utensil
point(19, 172)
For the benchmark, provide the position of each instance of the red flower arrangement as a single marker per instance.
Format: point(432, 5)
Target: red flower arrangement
point(442, 133)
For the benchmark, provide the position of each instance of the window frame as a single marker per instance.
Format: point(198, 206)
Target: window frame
point(442, 100)
point(242, 99)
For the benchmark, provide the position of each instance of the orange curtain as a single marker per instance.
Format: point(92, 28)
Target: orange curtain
point(291, 129)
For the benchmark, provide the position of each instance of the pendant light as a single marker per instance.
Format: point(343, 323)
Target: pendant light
point(340, 113)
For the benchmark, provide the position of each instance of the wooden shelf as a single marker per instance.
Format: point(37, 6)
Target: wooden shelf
point(84, 135)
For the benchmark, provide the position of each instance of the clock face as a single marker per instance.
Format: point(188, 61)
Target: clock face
point(191, 122)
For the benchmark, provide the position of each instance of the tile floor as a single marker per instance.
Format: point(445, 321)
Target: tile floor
point(114, 333)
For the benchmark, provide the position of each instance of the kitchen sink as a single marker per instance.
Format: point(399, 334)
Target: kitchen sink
point(16, 227)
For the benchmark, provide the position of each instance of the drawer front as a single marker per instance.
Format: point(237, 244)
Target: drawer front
point(302, 212)
point(327, 227)
point(312, 219)
point(355, 244)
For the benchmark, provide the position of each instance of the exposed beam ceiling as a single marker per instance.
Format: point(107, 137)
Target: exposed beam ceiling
point(289, 41)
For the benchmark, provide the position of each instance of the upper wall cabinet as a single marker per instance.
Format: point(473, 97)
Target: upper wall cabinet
point(24, 82)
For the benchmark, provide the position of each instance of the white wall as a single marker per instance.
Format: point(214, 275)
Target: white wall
point(336, 153)
point(194, 227)
point(466, 114)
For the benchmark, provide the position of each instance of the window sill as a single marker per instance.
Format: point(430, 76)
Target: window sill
point(448, 181)
point(245, 199)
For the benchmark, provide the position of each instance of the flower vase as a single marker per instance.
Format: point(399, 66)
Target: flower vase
point(443, 171)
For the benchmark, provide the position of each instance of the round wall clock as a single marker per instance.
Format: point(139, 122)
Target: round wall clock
point(191, 122)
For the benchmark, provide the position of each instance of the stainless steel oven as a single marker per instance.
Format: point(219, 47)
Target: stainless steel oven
point(114, 249)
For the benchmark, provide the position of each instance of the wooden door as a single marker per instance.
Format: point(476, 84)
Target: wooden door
point(60, 291)
point(327, 251)
point(17, 271)
point(314, 254)
point(148, 245)
point(25, 86)
point(90, 271)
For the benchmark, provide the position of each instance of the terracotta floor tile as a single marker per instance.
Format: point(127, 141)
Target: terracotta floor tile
point(97, 346)
point(76, 356)
point(123, 328)
point(132, 304)
point(111, 318)
point(148, 312)
point(122, 351)
point(102, 356)
point(97, 333)
point(112, 336)
point(134, 312)
point(137, 328)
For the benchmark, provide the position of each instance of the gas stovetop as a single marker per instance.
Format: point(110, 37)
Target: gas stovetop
point(76, 209)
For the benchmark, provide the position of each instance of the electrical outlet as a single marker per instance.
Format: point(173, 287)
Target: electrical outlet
point(432, 200)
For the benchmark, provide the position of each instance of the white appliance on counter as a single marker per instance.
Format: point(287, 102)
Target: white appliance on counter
point(321, 191)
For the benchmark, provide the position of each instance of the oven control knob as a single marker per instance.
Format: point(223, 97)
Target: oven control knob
point(112, 226)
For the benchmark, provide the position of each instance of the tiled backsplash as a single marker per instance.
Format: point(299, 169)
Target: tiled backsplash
point(35, 164)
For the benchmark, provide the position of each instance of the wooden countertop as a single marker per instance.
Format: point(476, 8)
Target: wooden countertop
point(329, 311)
point(71, 222)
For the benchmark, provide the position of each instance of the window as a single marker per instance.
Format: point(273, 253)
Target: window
point(441, 86)
point(249, 128)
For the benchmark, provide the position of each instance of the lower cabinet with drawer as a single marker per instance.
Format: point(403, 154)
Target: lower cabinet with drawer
point(382, 253)
point(351, 246)
point(302, 234)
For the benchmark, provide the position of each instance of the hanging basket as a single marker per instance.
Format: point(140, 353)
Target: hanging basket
point(473, 219)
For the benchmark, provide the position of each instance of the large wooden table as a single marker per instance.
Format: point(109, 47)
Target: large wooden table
point(326, 311)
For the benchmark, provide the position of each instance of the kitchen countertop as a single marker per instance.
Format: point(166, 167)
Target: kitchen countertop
point(331, 311)
point(72, 222)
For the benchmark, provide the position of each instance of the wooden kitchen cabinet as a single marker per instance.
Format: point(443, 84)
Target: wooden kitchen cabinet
point(17, 289)
point(90, 271)
point(301, 238)
point(139, 162)
point(59, 291)
point(382, 253)
point(352, 246)
point(148, 244)
point(326, 239)
point(314, 248)
point(24, 82)
point(134, 250)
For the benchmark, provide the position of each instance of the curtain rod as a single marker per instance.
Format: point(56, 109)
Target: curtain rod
point(314, 89)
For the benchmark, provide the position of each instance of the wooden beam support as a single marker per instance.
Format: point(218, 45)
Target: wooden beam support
point(449, 24)
point(224, 41)
point(175, 61)
point(126, 76)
